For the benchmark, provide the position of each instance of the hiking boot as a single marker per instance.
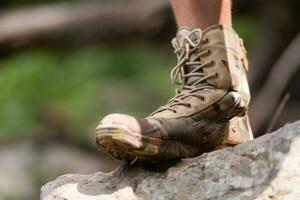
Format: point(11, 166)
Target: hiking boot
point(211, 73)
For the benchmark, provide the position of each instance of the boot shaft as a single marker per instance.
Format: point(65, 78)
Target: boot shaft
point(212, 64)
point(226, 50)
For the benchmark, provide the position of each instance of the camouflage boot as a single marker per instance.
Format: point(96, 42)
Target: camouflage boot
point(201, 117)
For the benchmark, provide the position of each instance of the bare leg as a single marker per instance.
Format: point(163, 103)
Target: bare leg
point(202, 13)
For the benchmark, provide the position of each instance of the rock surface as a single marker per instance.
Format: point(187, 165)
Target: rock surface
point(267, 168)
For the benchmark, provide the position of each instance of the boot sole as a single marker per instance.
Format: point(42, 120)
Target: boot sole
point(124, 144)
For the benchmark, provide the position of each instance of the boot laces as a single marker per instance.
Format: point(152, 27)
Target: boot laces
point(188, 55)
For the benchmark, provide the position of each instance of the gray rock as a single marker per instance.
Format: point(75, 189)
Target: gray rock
point(266, 168)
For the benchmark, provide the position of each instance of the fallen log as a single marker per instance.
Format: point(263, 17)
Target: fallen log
point(81, 23)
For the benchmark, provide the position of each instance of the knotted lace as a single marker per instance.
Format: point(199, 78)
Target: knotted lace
point(189, 66)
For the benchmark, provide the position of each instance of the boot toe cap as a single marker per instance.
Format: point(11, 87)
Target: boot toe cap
point(121, 120)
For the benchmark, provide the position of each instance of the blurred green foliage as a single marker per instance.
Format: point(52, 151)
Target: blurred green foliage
point(247, 27)
point(79, 86)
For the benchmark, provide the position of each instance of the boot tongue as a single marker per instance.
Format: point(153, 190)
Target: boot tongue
point(196, 38)
point(186, 33)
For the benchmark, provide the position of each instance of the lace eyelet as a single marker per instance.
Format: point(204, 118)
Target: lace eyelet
point(213, 62)
point(209, 52)
point(206, 40)
point(174, 111)
point(217, 74)
point(189, 105)
point(203, 99)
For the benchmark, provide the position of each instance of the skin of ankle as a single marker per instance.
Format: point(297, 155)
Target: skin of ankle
point(202, 13)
